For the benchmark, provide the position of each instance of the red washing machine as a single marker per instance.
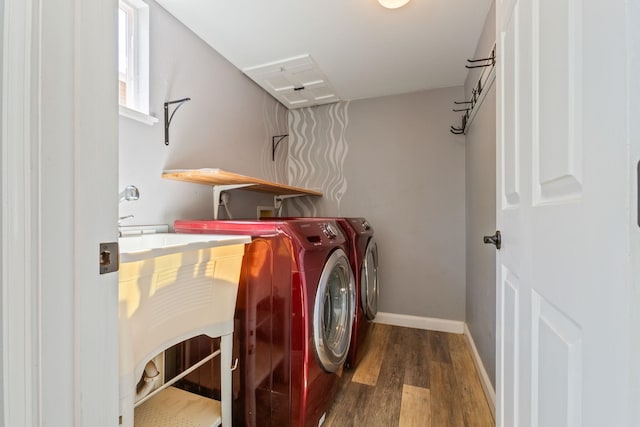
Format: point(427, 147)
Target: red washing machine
point(362, 250)
point(364, 262)
point(294, 344)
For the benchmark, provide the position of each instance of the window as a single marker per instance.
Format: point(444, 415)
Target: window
point(125, 51)
point(133, 60)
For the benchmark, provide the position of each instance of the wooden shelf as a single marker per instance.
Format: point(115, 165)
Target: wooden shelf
point(218, 177)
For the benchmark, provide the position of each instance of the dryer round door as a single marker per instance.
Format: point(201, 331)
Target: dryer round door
point(333, 312)
point(369, 281)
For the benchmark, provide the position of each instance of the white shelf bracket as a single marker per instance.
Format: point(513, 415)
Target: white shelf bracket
point(218, 190)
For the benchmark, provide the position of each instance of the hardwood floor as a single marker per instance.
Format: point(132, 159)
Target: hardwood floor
point(412, 378)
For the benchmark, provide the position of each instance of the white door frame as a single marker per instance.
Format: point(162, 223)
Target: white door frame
point(633, 87)
point(19, 227)
point(59, 191)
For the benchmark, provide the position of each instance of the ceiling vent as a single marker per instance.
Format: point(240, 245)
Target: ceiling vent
point(295, 82)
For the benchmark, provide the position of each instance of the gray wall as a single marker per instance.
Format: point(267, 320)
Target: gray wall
point(481, 213)
point(228, 124)
point(390, 159)
point(393, 161)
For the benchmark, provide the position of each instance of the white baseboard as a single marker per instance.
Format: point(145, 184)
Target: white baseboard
point(428, 323)
point(489, 391)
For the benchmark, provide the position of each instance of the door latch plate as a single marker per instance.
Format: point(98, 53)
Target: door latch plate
point(109, 257)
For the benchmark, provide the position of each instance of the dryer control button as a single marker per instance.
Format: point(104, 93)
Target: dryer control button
point(329, 231)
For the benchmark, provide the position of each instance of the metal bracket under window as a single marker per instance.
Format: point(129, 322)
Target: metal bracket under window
point(167, 117)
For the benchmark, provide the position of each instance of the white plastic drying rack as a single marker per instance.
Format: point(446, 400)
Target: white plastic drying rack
point(222, 181)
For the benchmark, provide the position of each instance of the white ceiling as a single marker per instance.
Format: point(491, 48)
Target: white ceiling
point(363, 49)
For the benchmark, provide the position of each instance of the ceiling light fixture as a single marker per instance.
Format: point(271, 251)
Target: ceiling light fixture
point(393, 4)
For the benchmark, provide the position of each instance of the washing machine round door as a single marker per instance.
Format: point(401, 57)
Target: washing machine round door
point(369, 281)
point(333, 312)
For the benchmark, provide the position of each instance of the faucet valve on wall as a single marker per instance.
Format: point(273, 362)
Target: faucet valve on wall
point(129, 193)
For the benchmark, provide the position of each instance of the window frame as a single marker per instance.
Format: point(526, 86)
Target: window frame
point(136, 104)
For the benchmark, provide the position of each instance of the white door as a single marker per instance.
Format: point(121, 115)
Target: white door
point(59, 201)
point(563, 295)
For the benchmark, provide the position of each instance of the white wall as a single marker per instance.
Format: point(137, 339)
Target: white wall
point(481, 212)
point(228, 124)
point(393, 161)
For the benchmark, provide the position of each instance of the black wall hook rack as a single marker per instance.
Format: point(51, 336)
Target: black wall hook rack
point(488, 62)
point(275, 140)
point(167, 117)
point(460, 130)
point(478, 92)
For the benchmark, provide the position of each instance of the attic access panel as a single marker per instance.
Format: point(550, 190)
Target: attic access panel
point(295, 82)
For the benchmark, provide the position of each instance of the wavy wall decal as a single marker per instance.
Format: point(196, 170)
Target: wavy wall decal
point(317, 151)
